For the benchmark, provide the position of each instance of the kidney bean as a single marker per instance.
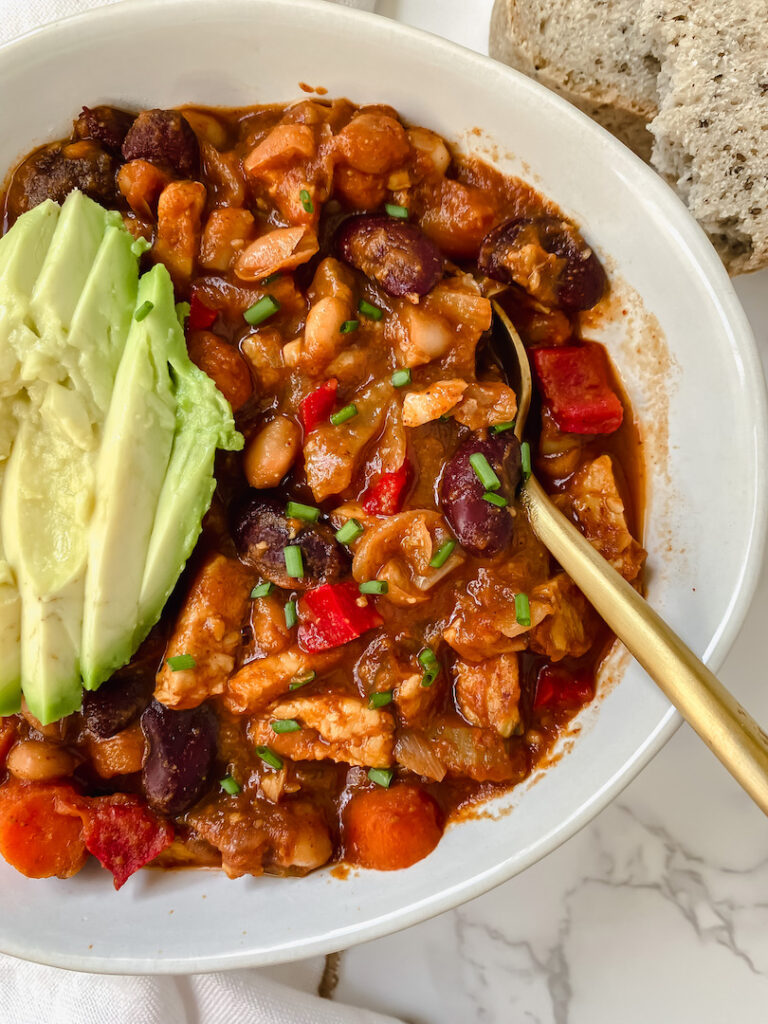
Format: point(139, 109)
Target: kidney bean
point(106, 125)
point(576, 281)
point(118, 702)
point(182, 745)
point(165, 137)
point(480, 527)
point(262, 531)
point(395, 254)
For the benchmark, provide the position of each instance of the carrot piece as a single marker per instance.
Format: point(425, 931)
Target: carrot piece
point(34, 837)
point(389, 829)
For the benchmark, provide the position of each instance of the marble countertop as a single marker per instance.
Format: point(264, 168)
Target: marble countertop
point(656, 911)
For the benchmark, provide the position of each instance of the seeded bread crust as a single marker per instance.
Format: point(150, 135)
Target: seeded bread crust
point(589, 52)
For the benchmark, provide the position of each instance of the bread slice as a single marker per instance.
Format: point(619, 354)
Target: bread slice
point(711, 132)
point(588, 51)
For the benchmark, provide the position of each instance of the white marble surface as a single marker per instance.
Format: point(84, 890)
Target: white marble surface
point(656, 911)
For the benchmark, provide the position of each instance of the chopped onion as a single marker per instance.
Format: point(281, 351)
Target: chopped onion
point(413, 752)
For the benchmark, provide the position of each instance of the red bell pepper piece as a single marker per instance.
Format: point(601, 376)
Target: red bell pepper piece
point(334, 614)
point(120, 831)
point(387, 495)
point(317, 406)
point(576, 384)
point(201, 317)
point(558, 687)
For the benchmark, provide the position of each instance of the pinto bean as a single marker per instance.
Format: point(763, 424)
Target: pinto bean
point(262, 530)
point(182, 745)
point(395, 254)
point(40, 761)
point(118, 702)
point(481, 528)
point(165, 137)
point(271, 453)
point(548, 258)
point(106, 125)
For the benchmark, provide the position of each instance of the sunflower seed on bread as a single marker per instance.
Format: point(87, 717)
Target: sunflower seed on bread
point(588, 51)
point(711, 132)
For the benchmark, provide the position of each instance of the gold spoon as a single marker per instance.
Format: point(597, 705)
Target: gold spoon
point(728, 730)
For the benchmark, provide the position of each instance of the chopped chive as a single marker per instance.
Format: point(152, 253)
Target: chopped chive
point(295, 510)
point(400, 378)
point(499, 428)
point(306, 201)
point(179, 662)
point(349, 532)
point(483, 472)
point(262, 310)
point(285, 725)
point(495, 499)
point(143, 311)
point(269, 757)
point(442, 554)
point(263, 590)
point(429, 677)
point(272, 278)
point(525, 460)
point(291, 614)
point(427, 658)
point(301, 680)
point(396, 211)
point(344, 414)
point(348, 326)
point(374, 587)
point(522, 610)
point(381, 776)
point(380, 700)
point(369, 310)
point(294, 563)
point(229, 785)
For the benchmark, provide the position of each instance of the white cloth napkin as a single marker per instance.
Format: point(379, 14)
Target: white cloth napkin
point(31, 994)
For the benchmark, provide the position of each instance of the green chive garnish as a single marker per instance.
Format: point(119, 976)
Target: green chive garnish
point(272, 278)
point(229, 785)
point(349, 325)
point(381, 776)
point(349, 532)
point(306, 201)
point(525, 460)
point(522, 610)
point(495, 499)
point(263, 590)
point(369, 310)
point(396, 211)
point(295, 510)
point(499, 428)
point(374, 587)
point(285, 725)
point(380, 700)
point(261, 310)
point(442, 554)
point(344, 414)
point(301, 680)
point(400, 378)
point(294, 563)
point(291, 614)
point(483, 472)
point(181, 661)
point(431, 666)
point(144, 310)
point(269, 757)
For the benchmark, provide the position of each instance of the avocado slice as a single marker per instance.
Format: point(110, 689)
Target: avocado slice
point(136, 448)
point(10, 629)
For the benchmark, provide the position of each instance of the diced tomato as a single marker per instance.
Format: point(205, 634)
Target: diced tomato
point(317, 406)
point(35, 837)
point(120, 831)
point(201, 317)
point(387, 495)
point(389, 829)
point(576, 384)
point(334, 614)
point(557, 687)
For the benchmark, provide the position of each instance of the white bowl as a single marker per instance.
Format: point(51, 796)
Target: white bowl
point(707, 496)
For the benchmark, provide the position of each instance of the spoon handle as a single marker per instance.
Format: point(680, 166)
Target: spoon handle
point(727, 729)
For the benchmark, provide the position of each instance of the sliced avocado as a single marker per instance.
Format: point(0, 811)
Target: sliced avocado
point(203, 423)
point(137, 443)
point(10, 627)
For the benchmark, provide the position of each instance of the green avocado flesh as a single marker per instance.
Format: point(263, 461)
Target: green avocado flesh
point(107, 439)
